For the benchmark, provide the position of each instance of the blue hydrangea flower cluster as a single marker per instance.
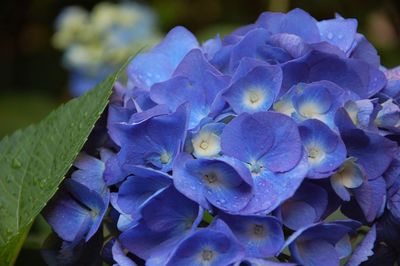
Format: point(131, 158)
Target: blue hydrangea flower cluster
point(96, 43)
point(276, 145)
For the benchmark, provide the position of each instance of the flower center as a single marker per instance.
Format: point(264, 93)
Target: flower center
point(210, 178)
point(253, 97)
point(256, 168)
point(207, 255)
point(94, 213)
point(258, 230)
point(165, 158)
point(204, 145)
point(315, 154)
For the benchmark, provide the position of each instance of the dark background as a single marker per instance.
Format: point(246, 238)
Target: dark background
point(32, 80)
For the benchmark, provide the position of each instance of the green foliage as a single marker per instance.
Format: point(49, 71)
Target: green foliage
point(34, 161)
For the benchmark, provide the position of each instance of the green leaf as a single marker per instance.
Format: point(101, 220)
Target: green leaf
point(33, 163)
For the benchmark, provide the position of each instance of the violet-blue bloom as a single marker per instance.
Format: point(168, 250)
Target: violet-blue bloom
point(165, 220)
point(261, 262)
point(364, 249)
point(90, 171)
point(363, 113)
point(392, 88)
point(138, 188)
point(261, 236)
point(206, 142)
point(393, 204)
point(307, 206)
point(325, 149)
point(372, 151)
point(120, 257)
point(76, 212)
point(154, 143)
point(370, 197)
point(223, 182)
point(353, 75)
point(194, 81)
point(318, 100)
point(349, 176)
point(214, 246)
point(159, 63)
point(288, 116)
point(256, 91)
point(269, 143)
point(389, 116)
point(317, 244)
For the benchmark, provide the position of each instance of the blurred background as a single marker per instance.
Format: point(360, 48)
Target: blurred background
point(38, 69)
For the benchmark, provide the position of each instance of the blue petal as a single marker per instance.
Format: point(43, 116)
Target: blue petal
point(393, 204)
point(266, 137)
point(246, 65)
point(363, 50)
point(261, 262)
point(315, 245)
point(306, 206)
point(177, 213)
point(371, 196)
point(90, 173)
point(261, 236)
point(140, 117)
point(155, 142)
point(247, 138)
point(363, 113)
point(95, 203)
point(67, 218)
point(142, 241)
point(350, 74)
point(210, 246)
point(349, 175)
point(195, 81)
point(271, 189)
point(373, 152)
point(354, 75)
point(299, 22)
point(271, 21)
point(339, 32)
point(224, 183)
point(166, 219)
point(125, 220)
point(296, 214)
point(256, 91)
point(326, 150)
point(291, 44)
point(389, 116)
point(364, 249)
point(159, 63)
point(137, 189)
point(315, 253)
point(119, 256)
point(318, 100)
point(247, 47)
point(343, 247)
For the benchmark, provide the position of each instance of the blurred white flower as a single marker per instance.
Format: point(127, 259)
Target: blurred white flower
point(98, 42)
